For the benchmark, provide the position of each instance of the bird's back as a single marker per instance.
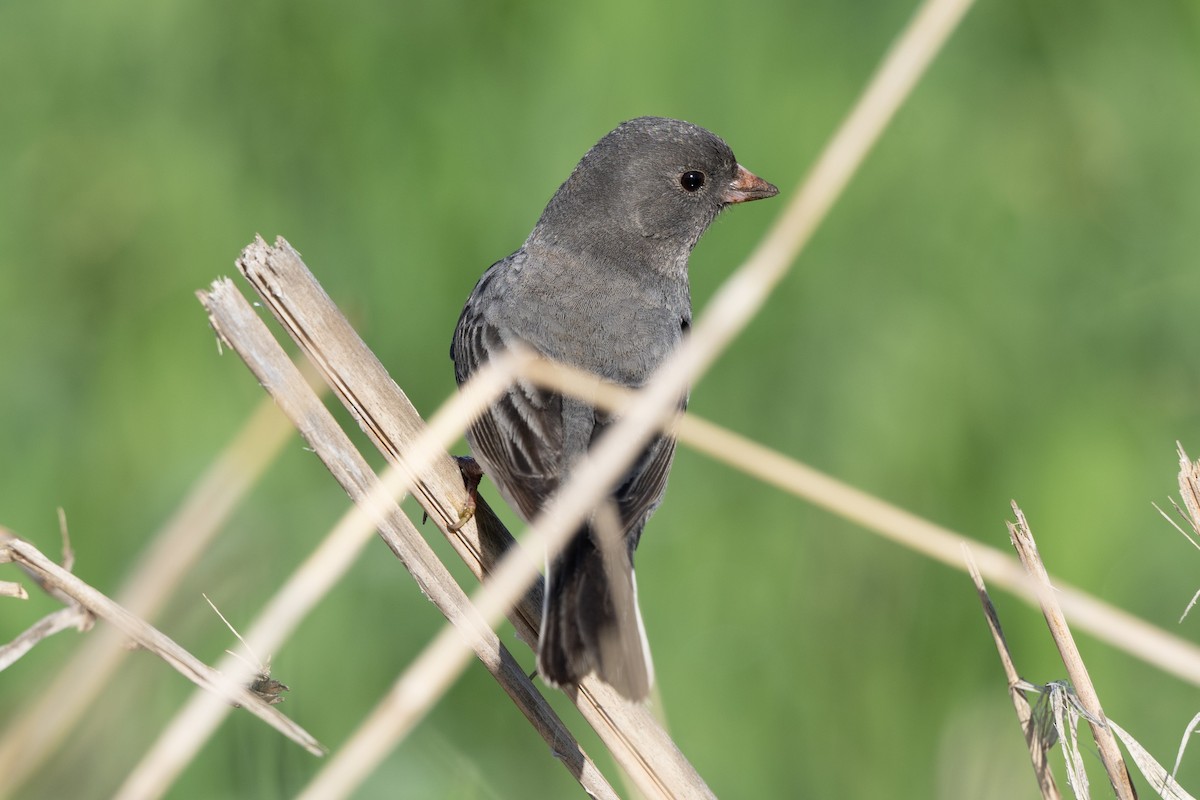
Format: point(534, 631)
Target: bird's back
point(528, 441)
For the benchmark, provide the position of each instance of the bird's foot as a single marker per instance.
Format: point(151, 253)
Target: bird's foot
point(472, 473)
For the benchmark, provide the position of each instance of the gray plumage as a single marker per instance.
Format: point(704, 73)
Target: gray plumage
point(600, 284)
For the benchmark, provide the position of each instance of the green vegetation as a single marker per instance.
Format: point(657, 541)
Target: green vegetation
point(1003, 305)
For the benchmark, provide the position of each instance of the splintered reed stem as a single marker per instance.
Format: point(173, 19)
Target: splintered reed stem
point(635, 739)
point(1037, 749)
point(1110, 754)
point(240, 328)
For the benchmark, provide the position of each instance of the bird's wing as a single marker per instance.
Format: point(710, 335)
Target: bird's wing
point(643, 485)
point(529, 437)
point(519, 439)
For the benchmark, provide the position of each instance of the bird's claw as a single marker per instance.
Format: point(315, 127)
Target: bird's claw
point(472, 473)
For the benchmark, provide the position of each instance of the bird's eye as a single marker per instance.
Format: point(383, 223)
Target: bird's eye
point(691, 181)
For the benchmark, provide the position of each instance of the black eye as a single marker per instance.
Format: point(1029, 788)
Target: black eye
point(691, 181)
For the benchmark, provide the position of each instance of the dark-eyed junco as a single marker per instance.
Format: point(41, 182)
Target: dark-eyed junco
point(600, 284)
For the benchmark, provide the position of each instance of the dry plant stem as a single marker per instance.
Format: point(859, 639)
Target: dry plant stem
point(73, 616)
point(309, 316)
point(1037, 752)
point(155, 641)
point(238, 325)
point(1105, 621)
point(731, 309)
point(1110, 753)
point(1102, 620)
point(68, 554)
point(291, 292)
point(636, 740)
point(1189, 487)
point(13, 590)
point(43, 723)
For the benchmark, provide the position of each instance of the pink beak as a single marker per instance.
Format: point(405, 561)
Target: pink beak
point(748, 186)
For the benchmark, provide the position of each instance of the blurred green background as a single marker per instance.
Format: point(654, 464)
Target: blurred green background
point(1002, 306)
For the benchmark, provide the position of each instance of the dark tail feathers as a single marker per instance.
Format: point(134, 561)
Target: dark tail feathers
point(591, 622)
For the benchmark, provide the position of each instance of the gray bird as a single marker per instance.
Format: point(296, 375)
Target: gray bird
point(601, 284)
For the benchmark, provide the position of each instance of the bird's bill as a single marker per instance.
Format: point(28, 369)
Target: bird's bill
point(748, 186)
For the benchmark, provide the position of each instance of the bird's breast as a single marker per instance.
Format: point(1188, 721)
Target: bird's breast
point(621, 332)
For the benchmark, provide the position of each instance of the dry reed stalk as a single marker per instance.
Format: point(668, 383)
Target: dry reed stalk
point(1189, 488)
point(45, 721)
point(73, 616)
point(1108, 623)
point(1115, 626)
point(9, 588)
point(1110, 754)
point(59, 581)
point(1029, 726)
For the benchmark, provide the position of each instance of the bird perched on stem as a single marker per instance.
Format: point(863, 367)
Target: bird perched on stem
point(601, 284)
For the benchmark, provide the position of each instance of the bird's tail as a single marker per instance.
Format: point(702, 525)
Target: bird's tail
point(591, 621)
